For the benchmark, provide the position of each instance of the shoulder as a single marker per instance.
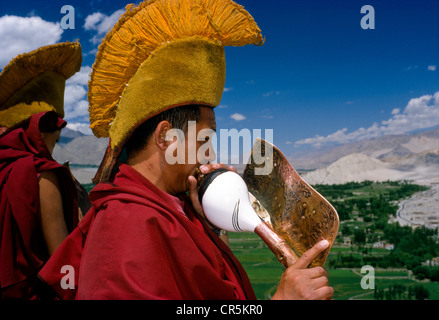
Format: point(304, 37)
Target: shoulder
point(123, 213)
point(49, 175)
point(48, 183)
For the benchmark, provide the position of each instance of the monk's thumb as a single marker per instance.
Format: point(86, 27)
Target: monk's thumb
point(309, 255)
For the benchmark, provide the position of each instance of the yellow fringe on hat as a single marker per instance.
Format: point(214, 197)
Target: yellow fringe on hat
point(22, 111)
point(63, 58)
point(143, 29)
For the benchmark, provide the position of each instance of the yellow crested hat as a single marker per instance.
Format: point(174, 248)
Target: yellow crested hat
point(34, 82)
point(163, 54)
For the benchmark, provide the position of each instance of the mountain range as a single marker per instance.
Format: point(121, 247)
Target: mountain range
point(412, 156)
point(385, 148)
point(78, 148)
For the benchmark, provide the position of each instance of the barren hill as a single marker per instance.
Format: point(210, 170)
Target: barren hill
point(359, 167)
point(79, 148)
point(386, 148)
point(354, 167)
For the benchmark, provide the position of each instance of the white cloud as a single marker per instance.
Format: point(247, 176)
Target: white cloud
point(396, 111)
point(75, 95)
point(80, 78)
point(101, 23)
point(93, 20)
point(238, 117)
point(420, 113)
point(24, 34)
point(76, 109)
point(228, 89)
point(81, 127)
point(431, 68)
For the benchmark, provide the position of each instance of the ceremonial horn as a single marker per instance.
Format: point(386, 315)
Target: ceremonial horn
point(296, 211)
point(226, 204)
point(295, 216)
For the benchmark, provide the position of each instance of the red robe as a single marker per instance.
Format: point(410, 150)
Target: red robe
point(138, 242)
point(23, 251)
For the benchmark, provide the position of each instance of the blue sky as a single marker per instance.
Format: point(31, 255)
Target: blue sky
point(319, 79)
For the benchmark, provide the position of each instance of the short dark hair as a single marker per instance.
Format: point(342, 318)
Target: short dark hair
point(178, 117)
point(50, 122)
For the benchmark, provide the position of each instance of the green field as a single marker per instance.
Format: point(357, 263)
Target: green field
point(265, 271)
point(364, 209)
point(258, 261)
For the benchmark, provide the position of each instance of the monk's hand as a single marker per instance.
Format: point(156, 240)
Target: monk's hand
point(193, 184)
point(299, 282)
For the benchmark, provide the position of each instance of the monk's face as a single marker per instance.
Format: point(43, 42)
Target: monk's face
point(198, 149)
point(50, 139)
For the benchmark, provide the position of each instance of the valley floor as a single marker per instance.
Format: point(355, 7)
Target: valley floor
point(422, 208)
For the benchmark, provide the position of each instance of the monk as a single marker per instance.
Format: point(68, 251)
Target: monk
point(149, 242)
point(38, 203)
point(147, 239)
point(162, 67)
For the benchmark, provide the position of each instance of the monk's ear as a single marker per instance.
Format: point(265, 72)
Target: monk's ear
point(160, 134)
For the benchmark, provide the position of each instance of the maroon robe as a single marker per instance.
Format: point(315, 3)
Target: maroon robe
point(23, 251)
point(138, 242)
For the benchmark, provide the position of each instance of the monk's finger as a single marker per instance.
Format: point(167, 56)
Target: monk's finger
point(232, 168)
point(317, 272)
point(308, 256)
point(207, 168)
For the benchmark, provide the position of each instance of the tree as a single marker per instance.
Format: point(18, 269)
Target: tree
point(421, 293)
point(360, 237)
point(346, 230)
